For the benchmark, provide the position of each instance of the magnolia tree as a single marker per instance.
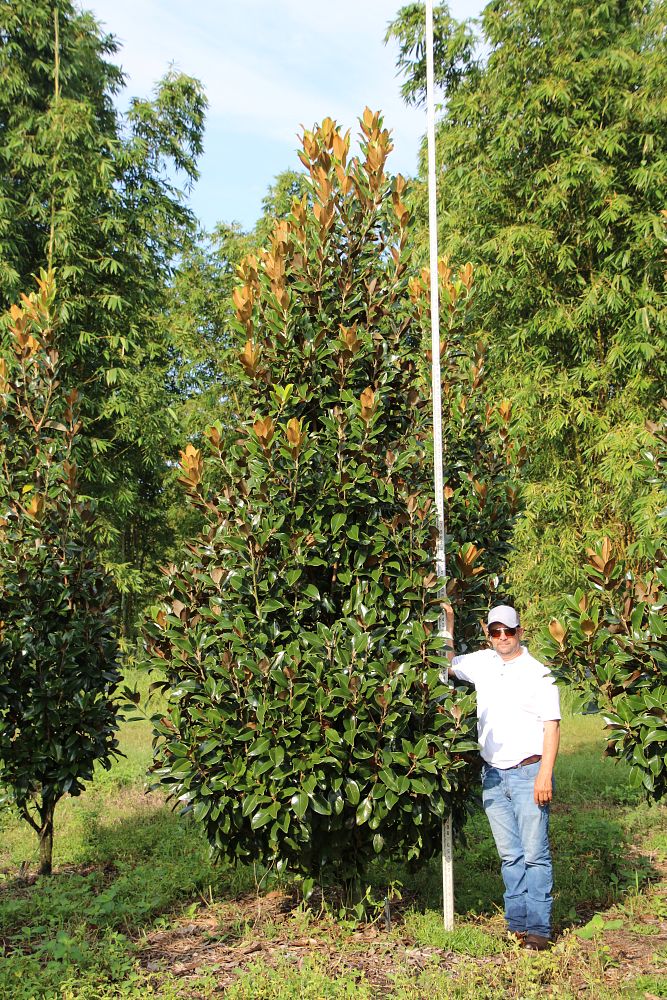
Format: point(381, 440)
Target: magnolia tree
point(610, 643)
point(58, 668)
point(308, 724)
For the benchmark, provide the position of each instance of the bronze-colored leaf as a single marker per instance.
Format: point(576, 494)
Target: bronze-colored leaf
point(341, 146)
point(505, 410)
point(264, 429)
point(348, 334)
point(295, 435)
point(192, 465)
point(587, 626)
point(35, 508)
point(243, 299)
point(466, 276)
point(444, 271)
point(368, 404)
point(249, 358)
point(557, 631)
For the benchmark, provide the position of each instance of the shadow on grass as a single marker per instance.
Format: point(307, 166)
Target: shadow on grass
point(133, 862)
point(162, 862)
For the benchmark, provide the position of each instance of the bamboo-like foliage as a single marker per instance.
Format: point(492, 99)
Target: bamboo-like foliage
point(93, 194)
point(554, 150)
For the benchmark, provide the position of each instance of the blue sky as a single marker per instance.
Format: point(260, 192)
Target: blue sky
point(268, 67)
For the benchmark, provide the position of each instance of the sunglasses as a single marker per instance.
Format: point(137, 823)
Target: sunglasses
point(495, 631)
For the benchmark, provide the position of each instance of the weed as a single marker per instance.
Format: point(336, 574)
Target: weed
point(644, 930)
point(596, 926)
point(647, 986)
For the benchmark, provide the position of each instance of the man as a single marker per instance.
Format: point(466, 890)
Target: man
point(518, 727)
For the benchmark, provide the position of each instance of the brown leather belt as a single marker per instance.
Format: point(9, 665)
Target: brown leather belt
point(527, 760)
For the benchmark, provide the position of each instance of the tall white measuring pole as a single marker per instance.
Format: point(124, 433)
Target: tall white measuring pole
point(440, 561)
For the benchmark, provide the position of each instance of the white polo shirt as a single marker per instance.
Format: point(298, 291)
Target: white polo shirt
point(514, 700)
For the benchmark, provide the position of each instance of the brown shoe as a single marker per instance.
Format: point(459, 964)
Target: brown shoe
point(535, 942)
point(518, 936)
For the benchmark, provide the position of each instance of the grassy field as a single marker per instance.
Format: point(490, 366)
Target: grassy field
point(136, 909)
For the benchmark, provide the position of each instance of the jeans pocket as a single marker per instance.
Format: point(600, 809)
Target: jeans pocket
point(490, 777)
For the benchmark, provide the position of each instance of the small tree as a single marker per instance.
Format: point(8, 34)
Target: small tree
point(609, 642)
point(308, 723)
point(58, 669)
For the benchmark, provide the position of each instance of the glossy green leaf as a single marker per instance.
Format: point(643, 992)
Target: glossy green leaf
point(364, 811)
point(352, 792)
point(299, 803)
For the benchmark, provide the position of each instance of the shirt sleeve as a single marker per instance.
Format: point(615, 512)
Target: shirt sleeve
point(548, 699)
point(468, 666)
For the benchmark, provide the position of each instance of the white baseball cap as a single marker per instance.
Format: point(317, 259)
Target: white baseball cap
point(503, 614)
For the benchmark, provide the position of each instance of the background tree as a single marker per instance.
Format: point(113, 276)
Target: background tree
point(553, 165)
point(609, 642)
point(277, 202)
point(91, 194)
point(307, 721)
point(58, 671)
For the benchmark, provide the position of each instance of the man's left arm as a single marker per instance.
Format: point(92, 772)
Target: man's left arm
point(543, 792)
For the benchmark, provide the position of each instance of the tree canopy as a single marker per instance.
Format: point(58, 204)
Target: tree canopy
point(552, 166)
point(308, 722)
point(58, 651)
point(91, 194)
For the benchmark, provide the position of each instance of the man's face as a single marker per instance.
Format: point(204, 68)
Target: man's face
point(506, 645)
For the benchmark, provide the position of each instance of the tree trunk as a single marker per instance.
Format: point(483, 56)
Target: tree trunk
point(46, 838)
point(352, 891)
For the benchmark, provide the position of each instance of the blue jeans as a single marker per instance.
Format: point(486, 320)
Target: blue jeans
point(521, 831)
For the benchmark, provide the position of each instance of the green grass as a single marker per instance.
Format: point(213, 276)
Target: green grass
point(426, 929)
point(644, 986)
point(128, 868)
point(311, 981)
